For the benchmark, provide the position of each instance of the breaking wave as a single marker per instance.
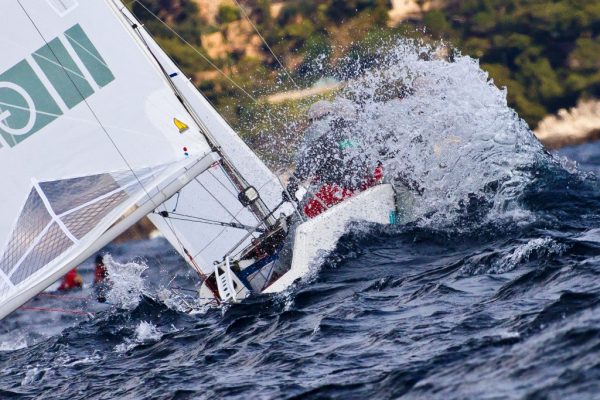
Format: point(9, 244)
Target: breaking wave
point(126, 282)
point(443, 129)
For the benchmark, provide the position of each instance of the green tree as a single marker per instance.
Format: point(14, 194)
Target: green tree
point(228, 14)
point(586, 55)
point(436, 23)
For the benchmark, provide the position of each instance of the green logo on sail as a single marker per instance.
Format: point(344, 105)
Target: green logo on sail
point(67, 63)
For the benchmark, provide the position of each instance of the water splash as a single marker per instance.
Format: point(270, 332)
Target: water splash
point(176, 300)
point(16, 341)
point(145, 332)
point(126, 282)
point(441, 127)
point(540, 248)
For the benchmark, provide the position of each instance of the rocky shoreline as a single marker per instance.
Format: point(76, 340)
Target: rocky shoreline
point(577, 125)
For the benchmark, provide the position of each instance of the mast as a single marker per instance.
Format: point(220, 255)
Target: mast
point(258, 207)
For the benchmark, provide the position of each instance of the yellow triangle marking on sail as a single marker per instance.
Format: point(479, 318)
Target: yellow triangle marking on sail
point(180, 125)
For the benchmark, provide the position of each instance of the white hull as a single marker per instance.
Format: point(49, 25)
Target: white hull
point(317, 237)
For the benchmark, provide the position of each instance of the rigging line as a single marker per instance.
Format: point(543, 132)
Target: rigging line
point(221, 116)
point(65, 297)
point(176, 201)
point(195, 50)
point(259, 189)
point(266, 44)
point(216, 237)
point(250, 233)
point(211, 173)
point(86, 102)
point(193, 263)
point(104, 129)
point(167, 74)
point(217, 68)
point(219, 202)
point(183, 248)
point(208, 222)
point(67, 70)
point(240, 180)
point(168, 223)
point(258, 219)
point(223, 230)
point(260, 216)
point(211, 286)
point(102, 126)
point(202, 219)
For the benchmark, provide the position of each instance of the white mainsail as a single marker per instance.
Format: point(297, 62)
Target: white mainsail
point(212, 197)
point(88, 143)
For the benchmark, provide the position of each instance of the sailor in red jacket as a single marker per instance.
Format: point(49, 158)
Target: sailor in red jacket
point(101, 282)
point(100, 273)
point(72, 280)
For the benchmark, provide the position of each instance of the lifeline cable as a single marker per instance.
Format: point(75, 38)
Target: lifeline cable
point(64, 297)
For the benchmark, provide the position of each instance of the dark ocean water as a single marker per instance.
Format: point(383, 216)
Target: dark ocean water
point(508, 310)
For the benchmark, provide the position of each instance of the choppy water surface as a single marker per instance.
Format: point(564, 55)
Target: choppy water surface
point(493, 291)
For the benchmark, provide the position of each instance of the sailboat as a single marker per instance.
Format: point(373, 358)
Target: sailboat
point(100, 128)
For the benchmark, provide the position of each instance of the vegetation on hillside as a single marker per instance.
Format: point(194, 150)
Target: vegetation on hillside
point(547, 52)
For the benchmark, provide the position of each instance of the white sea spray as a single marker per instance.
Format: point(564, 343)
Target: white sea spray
point(126, 282)
point(441, 126)
point(542, 246)
point(145, 332)
point(454, 135)
point(506, 260)
point(15, 341)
